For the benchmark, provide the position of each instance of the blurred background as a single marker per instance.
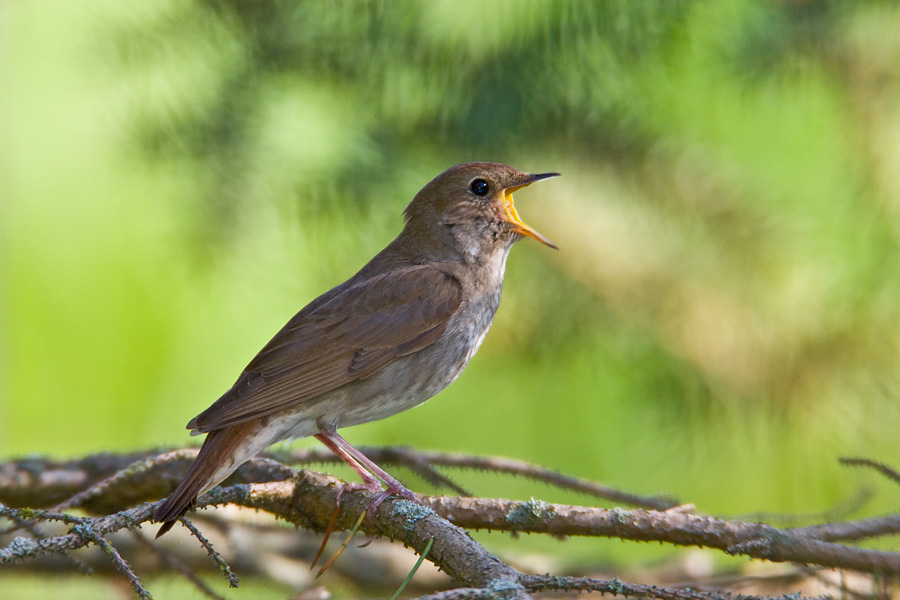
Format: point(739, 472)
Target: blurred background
point(721, 322)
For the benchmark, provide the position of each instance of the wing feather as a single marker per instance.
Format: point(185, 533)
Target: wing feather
point(347, 335)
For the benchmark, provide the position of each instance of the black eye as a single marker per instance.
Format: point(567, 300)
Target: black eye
point(479, 187)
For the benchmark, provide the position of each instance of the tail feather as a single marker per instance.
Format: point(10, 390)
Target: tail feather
point(219, 456)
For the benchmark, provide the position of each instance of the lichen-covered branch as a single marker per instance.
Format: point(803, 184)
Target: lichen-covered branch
point(307, 499)
point(756, 540)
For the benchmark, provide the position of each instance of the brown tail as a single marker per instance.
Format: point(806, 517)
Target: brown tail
point(207, 471)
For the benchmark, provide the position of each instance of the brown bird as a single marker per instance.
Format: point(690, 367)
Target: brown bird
point(387, 339)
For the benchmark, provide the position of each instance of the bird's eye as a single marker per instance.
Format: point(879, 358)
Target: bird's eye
point(479, 187)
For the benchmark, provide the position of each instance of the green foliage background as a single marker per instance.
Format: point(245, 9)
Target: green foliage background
point(720, 324)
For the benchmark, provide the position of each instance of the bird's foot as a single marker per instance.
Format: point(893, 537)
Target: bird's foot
point(389, 491)
point(368, 471)
point(370, 486)
point(392, 489)
point(372, 476)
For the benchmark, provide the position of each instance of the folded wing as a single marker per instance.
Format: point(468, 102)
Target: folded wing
point(347, 336)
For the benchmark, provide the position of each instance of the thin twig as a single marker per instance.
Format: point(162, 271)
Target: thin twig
point(540, 583)
point(82, 528)
point(860, 529)
point(116, 559)
point(882, 468)
point(135, 468)
point(462, 594)
point(415, 458)
point(233, 580)
point(177, 565)
point(835, 513)
point(31, 527)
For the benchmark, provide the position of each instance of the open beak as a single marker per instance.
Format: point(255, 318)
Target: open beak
point(513, 217)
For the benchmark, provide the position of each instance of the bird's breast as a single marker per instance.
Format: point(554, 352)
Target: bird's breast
point(445, 360)
point(411, 380)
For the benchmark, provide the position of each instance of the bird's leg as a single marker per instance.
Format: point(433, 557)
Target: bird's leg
point(359, 462)
point(370, 483)
point(366, 469)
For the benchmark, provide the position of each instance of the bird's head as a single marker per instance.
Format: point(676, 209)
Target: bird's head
point(471, 207)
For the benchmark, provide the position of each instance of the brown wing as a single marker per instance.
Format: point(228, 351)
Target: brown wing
point(347, 335)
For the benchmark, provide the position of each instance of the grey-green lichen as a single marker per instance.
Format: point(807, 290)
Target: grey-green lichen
point(410, 512)
point(529, 512)
point(621, 514)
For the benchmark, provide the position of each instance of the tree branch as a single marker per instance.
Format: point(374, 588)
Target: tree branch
point(307, 499)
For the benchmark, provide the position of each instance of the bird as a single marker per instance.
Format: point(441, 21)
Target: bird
point(392, 336)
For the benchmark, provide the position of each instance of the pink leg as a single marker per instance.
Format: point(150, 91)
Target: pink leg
point(361, 463)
